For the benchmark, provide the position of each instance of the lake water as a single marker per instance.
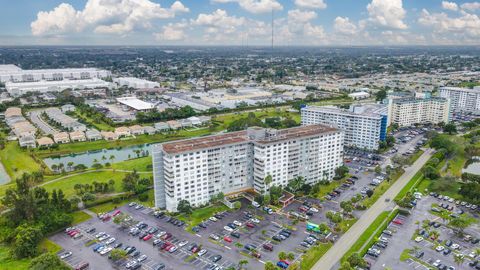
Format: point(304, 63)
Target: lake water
point(4, 178)
point(473, 168)
point(101, 156)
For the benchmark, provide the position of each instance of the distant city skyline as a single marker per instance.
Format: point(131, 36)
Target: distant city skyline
point(240, 22)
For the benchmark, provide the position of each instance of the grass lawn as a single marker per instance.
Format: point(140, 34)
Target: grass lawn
point(366, 235)
point(382, 188)
point(49, 246)
point(89, 121)
point(17, 161)
point(201, 214)
point(325, 189)
point(7, 263)
point(415, 156)
point(109, 206)
point(139, 164)
point(346, 224)
point(313, 255)
point(411, 185)
point(79, 217)
point(88, 178)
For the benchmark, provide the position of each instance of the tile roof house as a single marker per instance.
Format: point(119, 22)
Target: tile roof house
point(137, 130)
point(185, 123)
point(93, 135)
point(109, 136)
point(45, 141)
point(61, 137)
point(174, 124)
point(77, 136)
point(161, 126)
point(150, 130)
point(122, 132)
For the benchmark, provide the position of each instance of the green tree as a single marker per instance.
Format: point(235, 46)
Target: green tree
point(184, 207)
point(356, 260)
point(291, 256)
point(270, 266)
point(381, 95)
point(48, 261)
point(242, 263)
point(341, 171)
point(26, 241)
point(450, 128)
point(296, 184)
point(117, 254)
point(378, 169)
point(267, 181)
point(459, 259)
point(282, 255)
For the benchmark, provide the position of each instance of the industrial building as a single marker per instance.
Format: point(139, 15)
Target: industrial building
point(20, 88)
point(12, 73)
point(133, 103)
point(364, 126)
point(196, 169)
point(135, 82)
point(462, 99)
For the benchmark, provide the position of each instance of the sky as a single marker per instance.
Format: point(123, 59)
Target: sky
point(240, 22)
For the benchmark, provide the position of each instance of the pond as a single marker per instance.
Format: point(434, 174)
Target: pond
point(4, 177)
point(111, 155)
point(473, 167)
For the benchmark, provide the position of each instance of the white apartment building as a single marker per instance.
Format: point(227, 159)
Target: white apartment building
point(462, 99)
point(196, 169)
point(12, 73)
point(135, 82)
point(410, 111)
point(364, 126)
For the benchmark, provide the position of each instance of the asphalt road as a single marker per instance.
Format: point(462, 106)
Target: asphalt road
point(330, 259)
point(35, 117)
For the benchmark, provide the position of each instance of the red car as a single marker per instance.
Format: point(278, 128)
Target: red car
point(250, 225)
point(147, 237)
point(303, 208)
point(195, 249)
point(167, 236)
point(106, 218)
point(117, 212)
point(397, 221)
point(227, 239)
point(166, 246)
point(72, 232)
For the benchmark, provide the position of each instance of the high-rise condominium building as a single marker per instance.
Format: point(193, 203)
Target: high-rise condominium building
point(196, 169)
point(364, 125)
point(462, 99)
point(413, 110)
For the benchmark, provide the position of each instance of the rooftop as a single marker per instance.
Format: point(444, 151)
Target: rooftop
point(372, 110)
point(135, 103)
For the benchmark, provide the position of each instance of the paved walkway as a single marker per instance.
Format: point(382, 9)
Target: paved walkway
point(334, 254)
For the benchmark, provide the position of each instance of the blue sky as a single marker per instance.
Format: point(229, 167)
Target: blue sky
point(239, 22)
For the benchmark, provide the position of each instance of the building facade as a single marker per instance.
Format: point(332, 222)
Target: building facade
point(409, 111)
point(364, 126)
point(197, 169)
point(12, 73)
point(462, 99)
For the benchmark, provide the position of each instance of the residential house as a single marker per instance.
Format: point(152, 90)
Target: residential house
point(137, 130)
point(27, 141)
point(150, 130)
point(194, 120)
point(161, 126)
point(68, 108)
point(77, 136)
point(204, 119)
point(122, 132)
point(93, 135)
point(174, 124)
point(45, 142)
point(61, 137)
point(185, 123)
point(109, 136)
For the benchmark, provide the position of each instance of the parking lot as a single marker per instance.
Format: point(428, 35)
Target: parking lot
point(257, 231)
point(418, 233)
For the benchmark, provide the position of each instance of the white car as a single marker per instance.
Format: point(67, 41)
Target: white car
point(131, 263)
point(228, 229)
point(238, 223)
point(255, 204)
point(183, 243)
point(160, 234)
point(202, 252)
point(436, 263)
point(313, 209)
point(100, 234)
point(472, 255)
point(440, 248)
point(106, 250)
point(66, 255)
point(132, 204)
point(254, 220)
point(111, 240)
point(104, 237)
point(214, 219)
point(142, 258)
point(172, 249)
point(455, 246)
point(418, 239)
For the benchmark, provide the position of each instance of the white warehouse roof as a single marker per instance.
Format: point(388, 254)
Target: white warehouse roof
point(135, 103)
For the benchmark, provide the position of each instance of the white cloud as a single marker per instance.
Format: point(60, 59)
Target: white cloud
point(472, 6)
point(387, 13)
point(449, 5)
point(172, 32)
point(219, 26)
point(255, 6)
point(314, 4)
point(103, 16)
point(297, 20)
point(343, 25)
point(465, 25)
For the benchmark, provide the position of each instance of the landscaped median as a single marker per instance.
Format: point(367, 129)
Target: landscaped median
point(373, 231)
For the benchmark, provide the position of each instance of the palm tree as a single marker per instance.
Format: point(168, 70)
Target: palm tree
point(70, 165)
point(112, 157)
point(267, 181)
point(291, 256)
point(241, 263)
point(459, 259)
point(270, 266)
point(54, 167)
point(282, 255)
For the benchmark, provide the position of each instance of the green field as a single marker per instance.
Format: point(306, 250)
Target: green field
point(89, 121)
point(7, 263)
point(313, 255)
point(17, 161)
point(138, 164)
point(202, 214)
point(79, 217)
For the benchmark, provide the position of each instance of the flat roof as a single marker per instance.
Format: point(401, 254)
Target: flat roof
point(296, 132)
point(367, 110)
point(135, 103)
point(205, 142)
